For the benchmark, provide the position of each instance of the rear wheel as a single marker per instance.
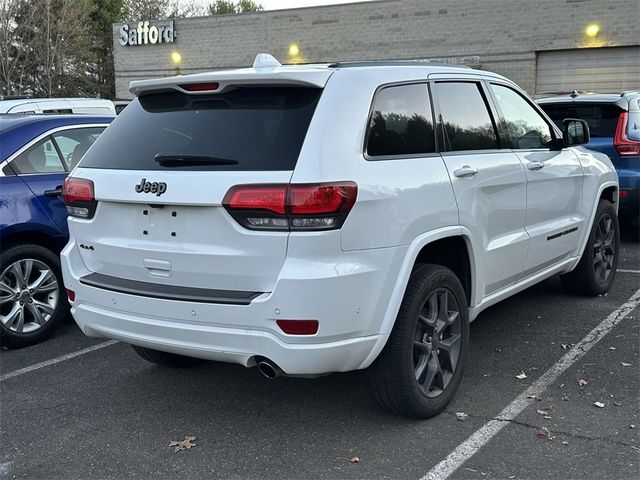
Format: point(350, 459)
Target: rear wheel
point(32, 299)
point(419, 370)
point(167, 359)
point(596, 270)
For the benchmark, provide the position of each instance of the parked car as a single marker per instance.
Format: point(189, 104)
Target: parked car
point(91, 106)
point(36, 154)
point(120, 105)
point(327, 218)
point(614, 123)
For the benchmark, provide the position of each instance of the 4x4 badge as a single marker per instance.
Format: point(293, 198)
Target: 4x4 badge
point(151, 187)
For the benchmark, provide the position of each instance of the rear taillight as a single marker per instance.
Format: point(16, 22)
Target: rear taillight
point(321, 206)
point(79, 197)
point(621, 141)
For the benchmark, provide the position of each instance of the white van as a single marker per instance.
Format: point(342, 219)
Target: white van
point(93, 106)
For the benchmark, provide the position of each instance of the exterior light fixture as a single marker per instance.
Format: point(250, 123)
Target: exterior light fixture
point(176, 58)
point(592, 30)
point(294, 50)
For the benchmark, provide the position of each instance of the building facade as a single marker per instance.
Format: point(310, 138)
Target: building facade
point(543, 45)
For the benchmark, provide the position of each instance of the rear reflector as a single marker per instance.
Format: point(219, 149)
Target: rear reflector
point(623, 144)
point(321, 206)
point(71, 295)
point(623, 194)
point(298, 327)
point(78, 195)
point(200, 87)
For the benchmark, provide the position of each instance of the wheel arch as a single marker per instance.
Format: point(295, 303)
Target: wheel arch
point(424, 249)
point(45, 237)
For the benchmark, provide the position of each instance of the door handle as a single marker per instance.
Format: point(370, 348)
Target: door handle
point(535, 165)
point(465, 172)
point(57, 192)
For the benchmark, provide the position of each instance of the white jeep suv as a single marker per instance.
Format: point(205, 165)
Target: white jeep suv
point(326, 218)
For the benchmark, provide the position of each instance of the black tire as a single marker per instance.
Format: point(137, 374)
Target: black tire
point(587, 277)
point(167, 359)
point(393, 377)
point(14, 336)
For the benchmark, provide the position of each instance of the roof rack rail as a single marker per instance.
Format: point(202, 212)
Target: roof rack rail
point(393, 63)
point(630, 92)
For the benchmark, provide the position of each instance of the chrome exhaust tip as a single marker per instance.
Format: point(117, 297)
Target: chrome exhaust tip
point(269, 369)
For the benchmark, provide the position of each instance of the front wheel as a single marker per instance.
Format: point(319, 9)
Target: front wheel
point(419, 370)
point(596, 270)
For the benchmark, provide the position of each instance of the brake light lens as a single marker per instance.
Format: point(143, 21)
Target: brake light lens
point(78, 195)
point(71, 295)
point(298, 327)
point(624, 145)
point(321, 206)
point(200, 87)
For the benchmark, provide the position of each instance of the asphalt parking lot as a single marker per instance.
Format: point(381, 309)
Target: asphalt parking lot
point(106, 413)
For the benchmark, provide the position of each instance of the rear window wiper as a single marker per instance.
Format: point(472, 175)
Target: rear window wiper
point(191, 160)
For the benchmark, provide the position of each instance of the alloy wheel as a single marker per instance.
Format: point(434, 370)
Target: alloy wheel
point(29, 295)
point(604, 248)
point(437, 342)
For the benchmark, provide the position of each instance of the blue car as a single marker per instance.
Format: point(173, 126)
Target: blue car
point(36, 154)
point(614, 124)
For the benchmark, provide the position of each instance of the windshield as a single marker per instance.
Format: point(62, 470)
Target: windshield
point(602, 119)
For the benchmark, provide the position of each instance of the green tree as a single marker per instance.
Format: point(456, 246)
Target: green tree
point(103, 15)
point(222, 7)
point(135, 10)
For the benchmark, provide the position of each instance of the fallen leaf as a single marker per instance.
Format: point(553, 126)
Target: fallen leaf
point(625, 364)
point(632, 426)
point(535, 397)
point(354, 459)
point(461, 416)
point(612, 348)
point(521, 376)
point(185, 444)
point(547, 417)
point(565, 442)
point(617, 404)
point(599, 404)
point(543, 432)
point(582, 382)
point(542, 412)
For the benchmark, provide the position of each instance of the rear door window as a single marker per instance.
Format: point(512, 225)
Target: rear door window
point(39, 158)
point(602, 119)
point(467, 124)
point(254, 128)
point(401, 122)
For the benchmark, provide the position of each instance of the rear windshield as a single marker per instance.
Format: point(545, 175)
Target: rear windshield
point(254, 128)
point(602, 119)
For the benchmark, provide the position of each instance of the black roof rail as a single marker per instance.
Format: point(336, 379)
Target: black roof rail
point(393, 63)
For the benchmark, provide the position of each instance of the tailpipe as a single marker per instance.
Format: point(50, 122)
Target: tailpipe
point(269, 369)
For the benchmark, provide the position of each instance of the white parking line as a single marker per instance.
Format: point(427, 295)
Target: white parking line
point(481, 437)
point(623, 270)
point(53, 361)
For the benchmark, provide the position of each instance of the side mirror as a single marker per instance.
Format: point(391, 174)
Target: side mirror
point(575, 132)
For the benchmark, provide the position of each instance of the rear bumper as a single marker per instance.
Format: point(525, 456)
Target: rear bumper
point(349, 300)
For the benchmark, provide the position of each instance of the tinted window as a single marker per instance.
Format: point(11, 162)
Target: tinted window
point(39, 158)
point(465, 117)
point(401, 122)
point(73, 144)
point(602, 119)
point(525, 126)
point(259, 128)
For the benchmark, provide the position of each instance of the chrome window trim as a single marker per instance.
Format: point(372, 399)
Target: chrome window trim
point(28, 145)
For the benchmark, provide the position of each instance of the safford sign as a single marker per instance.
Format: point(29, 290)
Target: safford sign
point(145, 33)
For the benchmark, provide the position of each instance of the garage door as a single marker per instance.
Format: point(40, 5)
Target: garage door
point(611, 69)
